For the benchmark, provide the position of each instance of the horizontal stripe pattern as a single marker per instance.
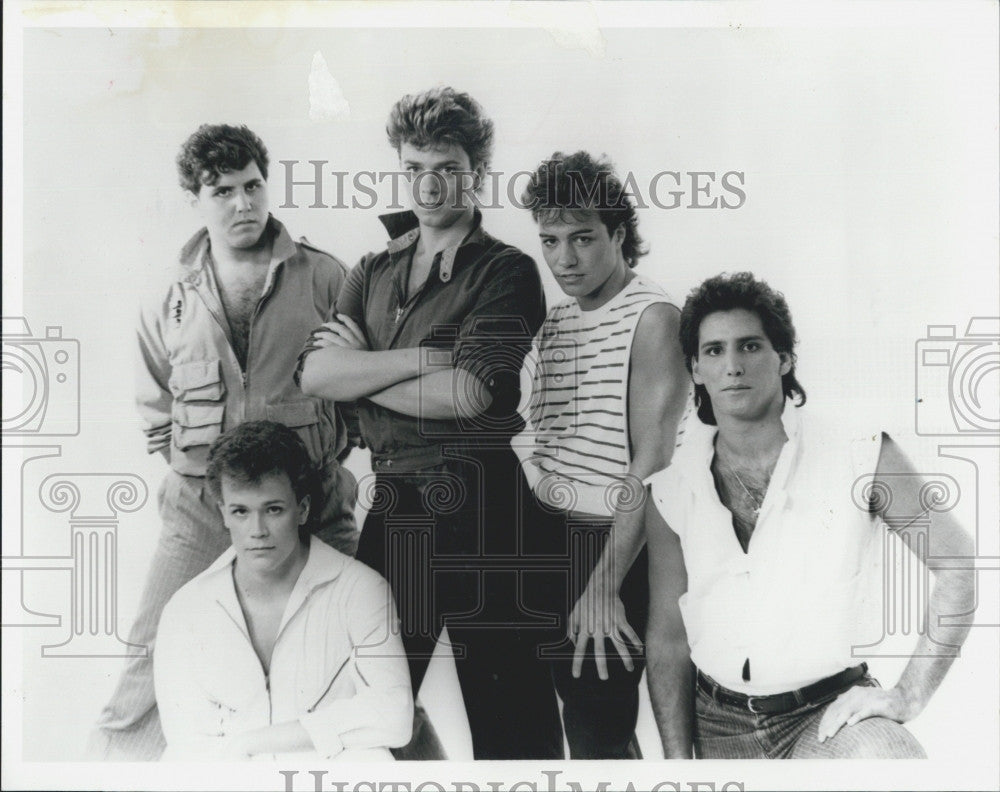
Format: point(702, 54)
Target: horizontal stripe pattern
point(578, 408)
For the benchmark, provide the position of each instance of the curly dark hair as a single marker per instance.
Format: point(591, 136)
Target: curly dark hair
point(727, 292)
point(257, 449)
point(567, 182)
point(442, 116)
point(215, 149)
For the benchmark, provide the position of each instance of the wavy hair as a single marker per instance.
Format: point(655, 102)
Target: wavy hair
point(727, 292)
point(216, 149)
point(567, 183)
point(256, 450)
point(442, 116)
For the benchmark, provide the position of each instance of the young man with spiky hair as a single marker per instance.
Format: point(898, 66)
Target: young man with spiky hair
point(763, 534)
point(429, 338)
point(217, 346)
point(607, 393)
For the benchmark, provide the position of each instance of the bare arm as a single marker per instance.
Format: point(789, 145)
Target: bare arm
point(657, 394)
point(952, 553)
point(670, 673)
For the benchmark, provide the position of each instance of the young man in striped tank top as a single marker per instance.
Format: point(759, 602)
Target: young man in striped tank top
point(604, 390)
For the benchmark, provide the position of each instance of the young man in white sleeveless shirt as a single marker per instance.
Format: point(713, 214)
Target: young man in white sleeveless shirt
point(604, 390)
point(760, 549)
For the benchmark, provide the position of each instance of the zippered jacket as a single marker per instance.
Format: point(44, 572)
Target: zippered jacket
point(337, 667)
point(190, 387)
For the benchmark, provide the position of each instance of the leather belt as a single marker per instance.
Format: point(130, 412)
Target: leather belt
point(783, 702)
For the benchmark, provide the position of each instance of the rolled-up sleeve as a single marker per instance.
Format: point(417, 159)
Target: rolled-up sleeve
point(380, 714)
point(349, 301)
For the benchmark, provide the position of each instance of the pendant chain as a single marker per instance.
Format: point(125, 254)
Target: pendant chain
point(756, 503)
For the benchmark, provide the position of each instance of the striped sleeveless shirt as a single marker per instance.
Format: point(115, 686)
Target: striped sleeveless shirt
point(575, 446)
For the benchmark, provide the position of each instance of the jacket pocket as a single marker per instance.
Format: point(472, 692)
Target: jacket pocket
point(304, 418)
point(196, 424)
point(199, 380)
point(198, 408)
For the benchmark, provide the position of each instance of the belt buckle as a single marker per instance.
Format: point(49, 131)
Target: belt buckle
point(750, 700)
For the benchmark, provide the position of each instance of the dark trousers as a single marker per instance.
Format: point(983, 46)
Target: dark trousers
point(599, 716)
point(445, 539)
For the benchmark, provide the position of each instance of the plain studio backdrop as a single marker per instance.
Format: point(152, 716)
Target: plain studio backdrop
point(868, 163)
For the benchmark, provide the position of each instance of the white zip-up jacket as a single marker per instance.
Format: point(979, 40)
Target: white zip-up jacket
point(338, 665)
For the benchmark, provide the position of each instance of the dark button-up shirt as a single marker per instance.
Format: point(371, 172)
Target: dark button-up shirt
point(480, 306)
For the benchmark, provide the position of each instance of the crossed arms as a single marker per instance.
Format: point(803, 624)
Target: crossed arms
point(406, 381)
point(340, 364)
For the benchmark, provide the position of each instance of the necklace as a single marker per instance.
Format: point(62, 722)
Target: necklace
point(753, 499)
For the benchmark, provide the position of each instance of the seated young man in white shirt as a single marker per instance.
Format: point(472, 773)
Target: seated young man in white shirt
point(759, 557)
point(284, 645)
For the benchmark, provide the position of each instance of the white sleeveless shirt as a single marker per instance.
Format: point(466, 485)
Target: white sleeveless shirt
point(792, 605)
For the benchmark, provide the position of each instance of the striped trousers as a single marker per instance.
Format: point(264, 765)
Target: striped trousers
point(724, 731)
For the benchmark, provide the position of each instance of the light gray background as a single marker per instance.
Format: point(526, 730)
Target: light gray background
point(871, 179)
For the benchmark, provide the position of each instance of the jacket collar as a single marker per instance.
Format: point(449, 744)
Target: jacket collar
point(192, 255)
point(399, 225)
point(323, 566)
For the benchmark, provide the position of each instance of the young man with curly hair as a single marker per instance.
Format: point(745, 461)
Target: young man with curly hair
point(761, 548)
point(607, 393)
point(218, 346)
point(432, 330)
